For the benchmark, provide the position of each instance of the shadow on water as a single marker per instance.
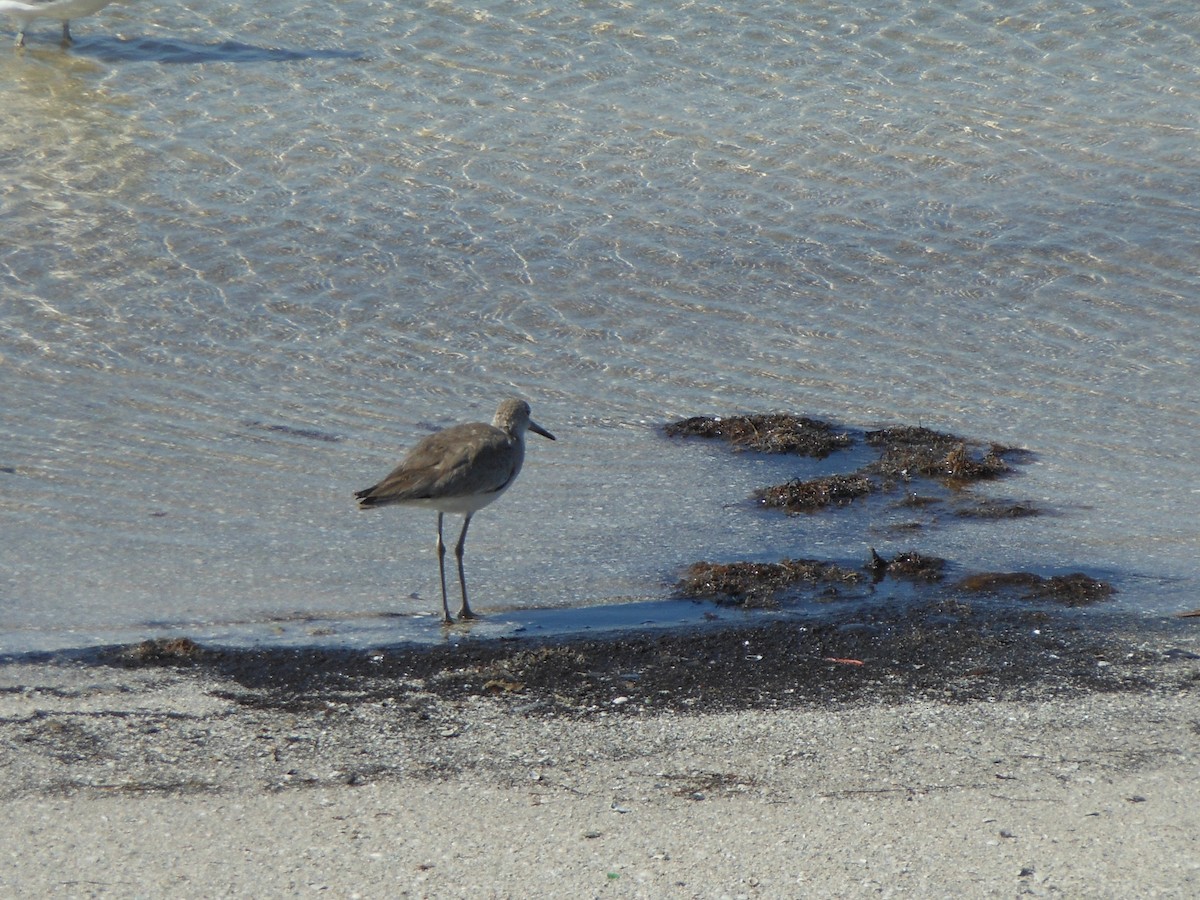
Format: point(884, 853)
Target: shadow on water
point(114, 49)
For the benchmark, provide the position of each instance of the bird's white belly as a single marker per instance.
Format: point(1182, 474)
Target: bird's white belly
point(462, 505)
point(55, 9)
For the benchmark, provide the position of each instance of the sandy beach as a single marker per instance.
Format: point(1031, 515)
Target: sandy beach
point(638, 767)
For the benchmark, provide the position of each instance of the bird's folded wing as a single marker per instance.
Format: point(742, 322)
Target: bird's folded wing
point(485, 469)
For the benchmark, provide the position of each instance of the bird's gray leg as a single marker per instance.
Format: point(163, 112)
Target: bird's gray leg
point(441, 552)
point(67, 40)
point(465, 612)
point(21, 37)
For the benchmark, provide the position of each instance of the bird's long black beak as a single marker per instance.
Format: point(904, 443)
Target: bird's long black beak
point(534, 426)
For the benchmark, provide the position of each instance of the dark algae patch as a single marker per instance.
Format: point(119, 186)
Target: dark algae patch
point(816, 493)
point(760, 584)
point(945, 464)
point(909, 451)
point(163, 650)
point(912, 565)
point(771, 433)
point(906, 454)
point(991, 508)
point(764, 584)
point(1076, 589)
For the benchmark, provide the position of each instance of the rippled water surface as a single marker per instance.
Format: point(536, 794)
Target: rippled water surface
point(251, 253)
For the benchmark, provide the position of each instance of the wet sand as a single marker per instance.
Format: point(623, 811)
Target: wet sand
point(930, 752)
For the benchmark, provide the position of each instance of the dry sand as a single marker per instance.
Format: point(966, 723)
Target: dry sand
point(127, 776)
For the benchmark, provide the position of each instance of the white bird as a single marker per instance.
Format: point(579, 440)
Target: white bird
point(459, 470)
point(25, 11)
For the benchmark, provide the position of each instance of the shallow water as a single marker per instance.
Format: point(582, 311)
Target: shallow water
point(248, 258)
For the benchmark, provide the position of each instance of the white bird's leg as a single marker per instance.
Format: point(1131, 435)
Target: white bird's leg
point(67, 40)
point(21, 37)
point(441, 552)
point(465, 612)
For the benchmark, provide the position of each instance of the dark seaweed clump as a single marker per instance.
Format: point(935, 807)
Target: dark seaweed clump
point(763, 584)
point(911, 565)
point(771, 433)
point(167, 651)
point(989, 508)
point(816, 493)
point(1076, 589)
point(760, 584)
point(909, 451)
point(906, 452)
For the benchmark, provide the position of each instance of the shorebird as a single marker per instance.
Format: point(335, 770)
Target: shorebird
point(459, 470)
point(25, 11)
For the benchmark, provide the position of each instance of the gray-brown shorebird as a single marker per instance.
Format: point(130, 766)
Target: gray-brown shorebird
point(459, 470)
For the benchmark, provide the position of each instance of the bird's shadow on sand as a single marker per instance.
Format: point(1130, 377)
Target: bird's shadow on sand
point(144, 49)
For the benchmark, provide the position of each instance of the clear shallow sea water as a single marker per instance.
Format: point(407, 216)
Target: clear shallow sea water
point(249, 255)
